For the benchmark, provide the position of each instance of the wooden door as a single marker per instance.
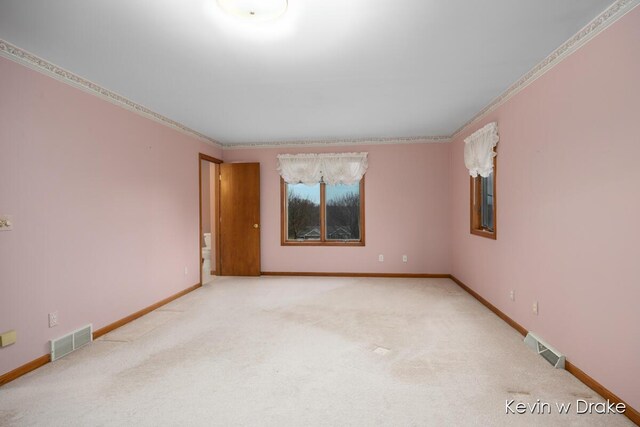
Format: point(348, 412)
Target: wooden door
point(240, 219)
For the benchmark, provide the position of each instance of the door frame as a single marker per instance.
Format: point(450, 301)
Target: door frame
point(215, 227)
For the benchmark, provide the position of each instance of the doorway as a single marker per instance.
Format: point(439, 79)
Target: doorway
point(229, 233)
point(209, 236)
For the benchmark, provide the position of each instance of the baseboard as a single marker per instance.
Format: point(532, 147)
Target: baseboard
point(24, 369)
point(43, 360)
point(329, 274)
point(515, 325)
point(630, 412)
point(118, 323)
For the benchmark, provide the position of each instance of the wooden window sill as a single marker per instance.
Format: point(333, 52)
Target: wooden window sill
point(317, 243)
point(484, 233)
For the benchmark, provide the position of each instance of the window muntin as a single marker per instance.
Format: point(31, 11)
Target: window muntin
point(322, 214)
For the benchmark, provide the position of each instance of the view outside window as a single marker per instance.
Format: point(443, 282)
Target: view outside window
point(483, 204)
point(342, 212)
point(323, 214)
point(486, 210)
point(303, 212)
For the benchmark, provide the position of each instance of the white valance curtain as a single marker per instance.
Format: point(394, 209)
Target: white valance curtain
point(479, 150)
point(330, 168)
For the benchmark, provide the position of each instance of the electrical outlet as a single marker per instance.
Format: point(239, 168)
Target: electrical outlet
point(404, 258)
point(381, 258)
point(186, 271)
point(534, 308)
point(8, 338)
point(53, 319)
point(512, 295)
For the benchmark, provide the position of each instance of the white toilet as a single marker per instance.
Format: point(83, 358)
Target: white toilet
point(206, 253)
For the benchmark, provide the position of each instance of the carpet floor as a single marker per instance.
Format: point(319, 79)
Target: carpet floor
point(292, 351)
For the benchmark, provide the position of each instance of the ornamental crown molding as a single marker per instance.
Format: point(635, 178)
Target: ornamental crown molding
point(339, 142)
point(609, 16)
point(36, 63)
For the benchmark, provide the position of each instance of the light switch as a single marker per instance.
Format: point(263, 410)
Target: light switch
point(6, 223)
point(7, 338)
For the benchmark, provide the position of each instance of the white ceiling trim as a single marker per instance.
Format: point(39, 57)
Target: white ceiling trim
point(610, 15)
point(36, 63)
point(614, 12)
point(341, 142)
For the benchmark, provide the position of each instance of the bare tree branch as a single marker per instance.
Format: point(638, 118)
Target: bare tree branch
point(302, 214)
point(343, 216)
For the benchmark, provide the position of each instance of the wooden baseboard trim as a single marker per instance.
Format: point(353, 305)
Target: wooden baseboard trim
point(118, 323)
point(515, 325)
point(24, 369)
point(630, 412)
point(327, 274)
point(43, 360)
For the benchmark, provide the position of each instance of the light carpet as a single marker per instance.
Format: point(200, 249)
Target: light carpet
point(291, 351)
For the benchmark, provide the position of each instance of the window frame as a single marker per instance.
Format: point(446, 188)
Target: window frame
point(475, 203)
point(323, 240)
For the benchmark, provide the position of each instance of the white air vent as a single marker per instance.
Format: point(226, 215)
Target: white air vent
point(64, 345)
point(549, 353)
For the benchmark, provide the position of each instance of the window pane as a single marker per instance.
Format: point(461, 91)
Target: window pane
point(343, 211)
point(487, 203)
point(303, 212)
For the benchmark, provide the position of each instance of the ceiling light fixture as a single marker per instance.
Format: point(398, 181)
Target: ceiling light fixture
point(255, 10)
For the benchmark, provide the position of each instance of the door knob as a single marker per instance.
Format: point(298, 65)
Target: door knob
point(255, 226)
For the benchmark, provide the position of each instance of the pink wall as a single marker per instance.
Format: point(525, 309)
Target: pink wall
point(568, 209)
point(407, 212)
point(105, 205)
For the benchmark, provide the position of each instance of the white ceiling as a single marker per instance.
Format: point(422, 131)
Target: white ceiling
point(327, 69)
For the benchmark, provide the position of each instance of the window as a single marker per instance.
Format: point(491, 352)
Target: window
point(483, 204)
point(322, 214)
point(322, 198)
point(480, 160)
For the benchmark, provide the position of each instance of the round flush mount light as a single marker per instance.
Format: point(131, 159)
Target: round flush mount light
point(254, 10)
